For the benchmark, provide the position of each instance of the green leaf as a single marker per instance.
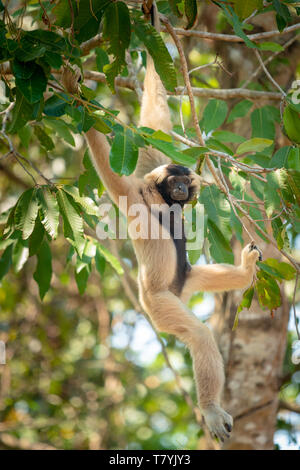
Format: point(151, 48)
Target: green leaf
point(43, 137)
point(270, 46)
point(49, 211)
point(219, 246)
point(36, 237)
point(239, 110)
point(256, 144)
point(277, 269)
point(20, 255)
point(214, 115)
point(278, 232)
point(124, 153)
point(246, 7)
point(271, 194)
point(196, 152)
point(170, 150)
point(73, 223)
point(112, 260)
point(174, 7)
point(116, 30)
point(88, 18)
point(100, 262)
point(87, 204)
point(25, 134)
point(217, 209)
point(89, 177)
point(160, 135)
point(280, 158)
point(101, 58)
point(21, 113)
point(291, 121)
point(26, 212)
point(227, 136)
point(87, 15)
point(100, 125)
point(263, 122)
point(6, 261)
point(233, 19)
point(157, 49)
point(245, 303)
point(292, 179)
point(268, 291)
point(43, 271)
point(190, 10)
point(61, 128)
point(86, 121)
point(54, 60)
point(81, 278)
point(33, 87)
point(30, 216)
point(56, 105)
point(283, 15)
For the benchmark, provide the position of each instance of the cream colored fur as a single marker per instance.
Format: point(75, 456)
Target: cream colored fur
point(157, 259)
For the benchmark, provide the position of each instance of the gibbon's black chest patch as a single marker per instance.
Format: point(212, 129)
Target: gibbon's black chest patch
point(183, 267)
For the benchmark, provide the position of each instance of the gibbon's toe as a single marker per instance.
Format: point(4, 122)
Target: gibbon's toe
point(218, 422)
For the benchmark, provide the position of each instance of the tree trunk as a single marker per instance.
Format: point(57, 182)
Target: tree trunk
point(253, 356)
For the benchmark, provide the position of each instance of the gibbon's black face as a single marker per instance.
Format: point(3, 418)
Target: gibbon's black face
point(176, 186)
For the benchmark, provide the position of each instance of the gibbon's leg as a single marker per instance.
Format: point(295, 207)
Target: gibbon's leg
point(155, 111)
point(222, 277)
point(170, 315)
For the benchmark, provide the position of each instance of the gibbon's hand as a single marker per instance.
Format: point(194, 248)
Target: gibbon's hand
point(218, 421)
point(250, 254)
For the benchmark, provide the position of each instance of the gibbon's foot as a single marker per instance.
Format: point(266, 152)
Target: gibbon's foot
point(218, 421)
point(71, 76)
point(250, 254)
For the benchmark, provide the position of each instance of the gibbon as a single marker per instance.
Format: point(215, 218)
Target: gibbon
point(166, 280)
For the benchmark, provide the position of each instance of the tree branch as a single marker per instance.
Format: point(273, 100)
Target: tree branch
point(87, 46)
point(127, 82)
point(285, 405)
point(231, 37)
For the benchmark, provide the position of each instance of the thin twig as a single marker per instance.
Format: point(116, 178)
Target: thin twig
point(294, 306)
point(283, 93)
point(268, 60)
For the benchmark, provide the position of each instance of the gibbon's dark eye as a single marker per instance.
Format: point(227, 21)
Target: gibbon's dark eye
point(172, 180)
point(187, 180)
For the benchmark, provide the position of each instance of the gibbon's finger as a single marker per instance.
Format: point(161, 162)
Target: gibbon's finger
point(254, 247)
point(228, 427)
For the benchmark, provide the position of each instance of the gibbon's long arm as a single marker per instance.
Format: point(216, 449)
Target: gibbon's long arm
point(115, 184)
